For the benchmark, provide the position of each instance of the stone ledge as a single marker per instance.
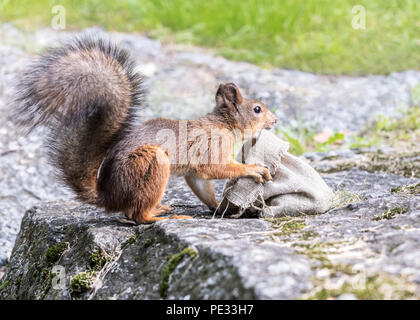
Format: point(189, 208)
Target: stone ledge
point(230, 258)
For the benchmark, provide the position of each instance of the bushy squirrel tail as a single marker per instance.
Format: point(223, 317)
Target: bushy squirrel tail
point(86, 92)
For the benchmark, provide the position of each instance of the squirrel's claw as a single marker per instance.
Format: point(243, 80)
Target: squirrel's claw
point(260, 173)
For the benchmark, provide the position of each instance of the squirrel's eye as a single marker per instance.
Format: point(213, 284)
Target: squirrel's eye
point(257, 109)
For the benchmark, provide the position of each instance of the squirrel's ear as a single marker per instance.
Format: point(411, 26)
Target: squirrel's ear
point(228, 93)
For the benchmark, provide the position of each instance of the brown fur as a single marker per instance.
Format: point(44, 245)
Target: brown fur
point(83, 91)
point(86, 93)
point(148, 180)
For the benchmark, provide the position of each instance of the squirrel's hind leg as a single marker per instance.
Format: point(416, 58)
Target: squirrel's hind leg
point(151, 167)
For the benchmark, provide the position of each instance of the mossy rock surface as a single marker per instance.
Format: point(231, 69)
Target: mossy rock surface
point(106, 257)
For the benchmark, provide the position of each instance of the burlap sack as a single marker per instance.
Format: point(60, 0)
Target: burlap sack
point(296, 189)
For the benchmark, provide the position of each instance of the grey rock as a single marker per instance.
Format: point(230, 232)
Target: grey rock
point(235, 258)
point(231, 257)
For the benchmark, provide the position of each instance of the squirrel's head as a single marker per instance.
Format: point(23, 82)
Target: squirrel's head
point(246, 115)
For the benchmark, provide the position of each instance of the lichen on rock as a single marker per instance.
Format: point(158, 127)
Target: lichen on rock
point(82, 282)
point(54, 252)
point(173, 262)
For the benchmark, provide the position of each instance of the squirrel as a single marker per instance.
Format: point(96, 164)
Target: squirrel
point(87, 93)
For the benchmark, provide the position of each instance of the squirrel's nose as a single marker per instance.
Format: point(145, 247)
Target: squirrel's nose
point(274, 118)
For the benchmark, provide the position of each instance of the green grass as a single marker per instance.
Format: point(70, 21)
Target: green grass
point(303, 139)
point(309, 35)
point(390, 213)
point(401, 133)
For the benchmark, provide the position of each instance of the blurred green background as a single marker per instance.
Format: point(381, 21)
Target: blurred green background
point(308, 35)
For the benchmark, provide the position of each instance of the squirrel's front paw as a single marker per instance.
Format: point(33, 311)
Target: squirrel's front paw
point(258, 173)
